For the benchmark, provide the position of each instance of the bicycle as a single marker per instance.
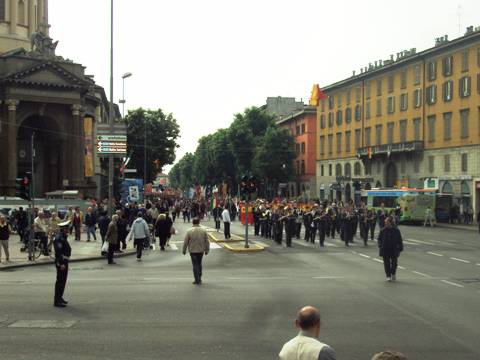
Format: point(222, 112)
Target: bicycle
point(38, 246)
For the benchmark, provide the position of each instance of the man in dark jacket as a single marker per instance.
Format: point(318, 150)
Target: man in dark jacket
point(63, 252)
point(390, 244)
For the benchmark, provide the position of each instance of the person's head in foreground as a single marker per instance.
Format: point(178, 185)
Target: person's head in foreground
point(308, 320)
point(389, 355)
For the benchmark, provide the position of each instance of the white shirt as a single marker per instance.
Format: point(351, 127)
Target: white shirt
point(306, 347)
point(226, 215)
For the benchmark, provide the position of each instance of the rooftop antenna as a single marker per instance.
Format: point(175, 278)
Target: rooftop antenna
point(459, 15)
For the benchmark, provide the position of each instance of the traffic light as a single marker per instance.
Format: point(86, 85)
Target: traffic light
point(252, 185)
point(244, 185)
point(22, 186)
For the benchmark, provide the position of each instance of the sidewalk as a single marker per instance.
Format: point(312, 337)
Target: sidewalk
point(473, 227)
point(81, 251)
point(235, 244)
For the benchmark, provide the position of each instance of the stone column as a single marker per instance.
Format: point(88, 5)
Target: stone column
point(13, 16)
point(31, 17)
point(77, 158)
point(12, 145)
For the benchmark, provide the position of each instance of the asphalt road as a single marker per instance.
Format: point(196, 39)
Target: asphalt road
point(246, 306)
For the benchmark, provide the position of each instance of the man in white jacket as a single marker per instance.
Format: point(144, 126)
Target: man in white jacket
point(306, 346)
point(226, 222)
point(140, 233)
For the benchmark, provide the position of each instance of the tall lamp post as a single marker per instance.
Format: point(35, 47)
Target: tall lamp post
point(111, 118)
point(123, 101)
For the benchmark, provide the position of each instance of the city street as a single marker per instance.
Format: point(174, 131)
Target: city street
point(246, 306)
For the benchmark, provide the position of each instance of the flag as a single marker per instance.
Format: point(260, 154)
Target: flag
point(369, 152)
point(317, 95)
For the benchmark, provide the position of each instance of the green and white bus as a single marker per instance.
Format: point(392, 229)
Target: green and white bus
point(413, 202)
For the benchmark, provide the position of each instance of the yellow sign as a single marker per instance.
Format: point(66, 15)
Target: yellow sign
point(88, 127)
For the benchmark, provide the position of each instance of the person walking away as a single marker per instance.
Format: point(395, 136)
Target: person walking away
point(69, 217)
point(429, 218)
point(77, 223)
point(163, 227)
point(140, 234)
point(112, 238)
point(390, 244)
point(371, 224)
point(226, 223)
point(103, 221)
point(122, 225)
point(63, 251)
point(381, 216)
point(4, 236)
point(196, 241)
point(22, 222)
point(91, 224)
point(217, 215)
point(306, 346)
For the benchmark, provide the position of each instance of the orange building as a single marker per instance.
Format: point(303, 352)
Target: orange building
point(302, 124)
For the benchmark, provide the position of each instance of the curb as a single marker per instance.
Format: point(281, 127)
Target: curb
point(466, 228)
point(254, 247)
point(50, 262)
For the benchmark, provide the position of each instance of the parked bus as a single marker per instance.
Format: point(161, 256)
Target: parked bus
point(413, 202)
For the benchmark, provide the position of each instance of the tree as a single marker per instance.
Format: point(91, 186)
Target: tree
point(161, 141)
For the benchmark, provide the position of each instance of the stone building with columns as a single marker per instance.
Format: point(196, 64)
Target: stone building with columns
point(44, 95)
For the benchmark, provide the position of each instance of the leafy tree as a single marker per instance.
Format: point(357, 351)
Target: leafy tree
point(162, 133)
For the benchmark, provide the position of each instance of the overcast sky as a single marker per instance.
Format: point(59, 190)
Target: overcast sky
point(205, 60)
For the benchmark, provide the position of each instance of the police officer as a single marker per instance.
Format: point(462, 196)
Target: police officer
point(256, 220)
point(63, 252)
point(322, 226)
point(290, 227)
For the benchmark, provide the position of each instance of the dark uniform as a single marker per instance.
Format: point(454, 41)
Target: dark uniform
point(256, 221)
point(322, 227)
point(290, 228)
point(63, 251)
point(307, 222)
point(371, 224)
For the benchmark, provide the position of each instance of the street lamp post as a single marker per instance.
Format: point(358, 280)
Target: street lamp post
point(111, 118)
point(123, 101)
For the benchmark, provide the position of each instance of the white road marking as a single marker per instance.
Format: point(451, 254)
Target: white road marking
point(378, 260)
point(452, 283)
point(422, 274)
point(330, 245)
point(328, 277)
point(432, 253)
point(411, 243)
point(478, 264)
point(401, 267)
point(421, 242)
point(461, 260)
point(365, 256)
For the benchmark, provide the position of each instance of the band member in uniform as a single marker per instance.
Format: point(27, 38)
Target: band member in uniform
point(362, 222)
point(322, 226)
point(268, 223)
point(63, 251)
point(371, 224)
point(290, 227)
point(256, 221)
point(263, 222)
point(298, 222)
point(307, 223)
point(279, 227)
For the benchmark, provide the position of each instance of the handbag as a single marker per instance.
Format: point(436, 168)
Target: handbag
point(173, 231)
point(104, 247)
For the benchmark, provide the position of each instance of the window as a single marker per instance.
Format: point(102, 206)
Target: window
point(322, 170)
point(338, 170)
point(464, 123)
point(348, 170)
point(431, 94)
point(330, 170)
point(322, 104)
point(417, 98)
point(478, 83)
point(347, 141)
point(348, 97)
point(465, 61)
point(297, 148)
point(447, 66)
point(339, 100)
point(403, 79)
point(379, 87)
point(303, 148)
point(447, 126)
point(331, 101)
point(465, 85)
point(2, 10)
point(339, 117)
point(297, 130)
point(403, 102)
point(330, 119)
point(431, 127)
point(379, 107)
point(432, 70)
point(403, 166)
point(367, 136)
point(390, 128)
point(21, 13)
point(322, 121)
point(391, 104)
point(330, 143)
point(431, 164)
point(348, 115)
point(298, 167)
point(303, 167)
point(446, 163)
point(358, 113)
point(358, 134)
point(357, 169)
point(416, 165)
point(447, 90)
point(417, 73)
point(358, 94)
point(464, 162)
point(391, 82)
point(322, 145)
point(368, 89)
point(367, 110)
point(339, 142)
point(416, 129)
point(403, 130)
point(303, 128)
point(378, 135)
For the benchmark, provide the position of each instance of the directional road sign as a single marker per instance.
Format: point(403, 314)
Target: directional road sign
point(111, 144)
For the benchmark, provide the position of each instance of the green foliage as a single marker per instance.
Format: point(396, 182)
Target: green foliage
point(252, 144)
point(162, 132)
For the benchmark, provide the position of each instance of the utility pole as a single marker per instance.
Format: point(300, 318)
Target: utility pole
point(247, 197)
point(111, 119)
point(32, 198)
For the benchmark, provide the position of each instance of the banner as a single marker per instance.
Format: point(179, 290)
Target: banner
point(88, 127)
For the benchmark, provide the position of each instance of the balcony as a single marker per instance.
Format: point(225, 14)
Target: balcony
point(389, 149)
